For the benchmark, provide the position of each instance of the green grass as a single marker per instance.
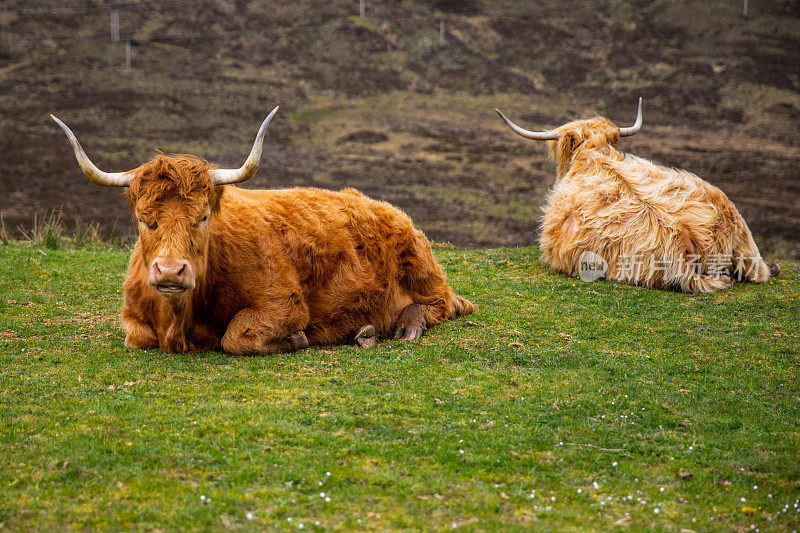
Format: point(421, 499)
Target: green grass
point(552, 385)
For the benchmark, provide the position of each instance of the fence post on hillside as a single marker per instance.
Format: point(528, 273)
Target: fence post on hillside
point(115, 24)
point(441, 30)
point(128, 55)
point(362, 8)
point(745, 6)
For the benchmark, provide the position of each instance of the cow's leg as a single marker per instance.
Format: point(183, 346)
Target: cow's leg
point(138, 334)
point(256, 332)
point(410, 323)
point(367, 336)
point(423, 280)
point(748, 263)
point(705, 283)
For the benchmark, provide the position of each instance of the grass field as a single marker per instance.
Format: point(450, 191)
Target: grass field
point(558, 405)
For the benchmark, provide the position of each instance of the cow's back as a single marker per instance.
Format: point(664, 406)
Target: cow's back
point(342, 249)
point(628, 206)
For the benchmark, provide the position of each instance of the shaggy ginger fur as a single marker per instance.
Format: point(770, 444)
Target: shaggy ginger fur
point(683, 231)
point(272, 264)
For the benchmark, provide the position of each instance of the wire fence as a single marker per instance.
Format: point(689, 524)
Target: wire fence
point(115, 35)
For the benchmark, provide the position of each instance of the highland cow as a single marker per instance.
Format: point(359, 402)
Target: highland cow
point(645, 224)
point(264, 271)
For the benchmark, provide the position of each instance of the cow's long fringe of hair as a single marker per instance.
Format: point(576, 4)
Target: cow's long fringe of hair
point(183, 175)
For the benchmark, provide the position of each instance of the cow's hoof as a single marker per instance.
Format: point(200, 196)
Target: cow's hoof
point(367, 337)
point(774, 268)
point(294, 342)
point(411, 323)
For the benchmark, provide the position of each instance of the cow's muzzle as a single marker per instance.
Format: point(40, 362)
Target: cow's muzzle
point(171, 276)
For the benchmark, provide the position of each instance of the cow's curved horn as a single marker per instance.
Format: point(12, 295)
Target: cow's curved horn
point(223, 176)
point(536, 135)
point(627, 132)
point(95, 175)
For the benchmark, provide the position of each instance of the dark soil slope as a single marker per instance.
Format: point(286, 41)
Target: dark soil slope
point(393, 106)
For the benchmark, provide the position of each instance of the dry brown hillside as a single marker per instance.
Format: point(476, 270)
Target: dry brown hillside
point(384, 104)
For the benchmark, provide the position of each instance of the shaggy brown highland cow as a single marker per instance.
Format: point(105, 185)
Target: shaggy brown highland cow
point(263, 271)
point(646, 224)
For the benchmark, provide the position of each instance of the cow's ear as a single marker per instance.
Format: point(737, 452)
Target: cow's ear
point(216, 196)
point(568, 142)
point(613, 138)
point(131, 196)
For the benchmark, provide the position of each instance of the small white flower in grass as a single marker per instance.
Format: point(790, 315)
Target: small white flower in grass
point(300, 526)
point(755, 487)
point(359, 520)
point(560, 443)
point(580, 490)
point(595, 485)
point(327, 499)
point(474, 420)
point(656, 511)
point(289, 519)
point(743, 500)
point(321, 494)
point(460, 441)
point(769, 495)
point(202, 498)
point(249, 516)
point(602, 503)
point(691, 448)
point(614, 463)
point(328, 474)
point(552, 498)
point(661, 489)
point(461, 452)
point(316, 523)
point(455, 525)
point(319, 483)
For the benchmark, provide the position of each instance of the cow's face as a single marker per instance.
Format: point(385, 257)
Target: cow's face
point(173, 201)
point(579, 135)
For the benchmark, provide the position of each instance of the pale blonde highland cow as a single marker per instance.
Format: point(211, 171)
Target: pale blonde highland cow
point(653, 226)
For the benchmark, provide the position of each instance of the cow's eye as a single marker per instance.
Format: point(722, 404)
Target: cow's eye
point(203, 219)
